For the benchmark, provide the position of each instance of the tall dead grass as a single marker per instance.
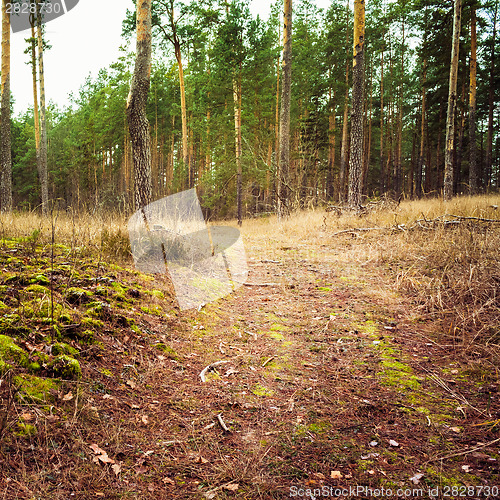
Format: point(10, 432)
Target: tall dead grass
point(451, 271)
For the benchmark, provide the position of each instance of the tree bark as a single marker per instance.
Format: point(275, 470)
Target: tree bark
point(420, 164)
point(284, 157)
point(491, 104)
point(452, 102)
point(136, 107)
point(356, 156)
point(473, 167)
point(237, 141)
point(5, 147)
point(345, 126)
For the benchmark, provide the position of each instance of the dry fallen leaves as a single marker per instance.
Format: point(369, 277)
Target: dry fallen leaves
point(336, 474)
point(231, 486)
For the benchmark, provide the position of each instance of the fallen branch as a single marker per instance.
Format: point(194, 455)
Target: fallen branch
point(210, 367)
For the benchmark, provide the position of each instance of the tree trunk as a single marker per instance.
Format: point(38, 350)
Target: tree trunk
point(284, 157)
point(356, 156)
point(452, 103)
point(44, 182)
point(345, 126)
point(473, 171)
point(136, 107)
point(237, 141)
point(382, 159)
point(178, 56)
point(5, 147)
point(420, 164)
point(491, 105)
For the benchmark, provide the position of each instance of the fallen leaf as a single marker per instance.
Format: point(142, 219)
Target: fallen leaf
point(116, 469)
point(105, 459)
point(131, 384)
point(151, 488)
point(373, 443)
point(99, 494)
point(231, 486)
point(141, 469)
point(145, 419)
point(370, 455)
point(68, 397)
point(27, 417)
point(201, 460)
point(393, 443)
point(96, 449)
point(52, 418)
point(466, 468)
point(456, 429)
point(371, 472)
point(167, 480)
point(416, 478)
point(336, 474)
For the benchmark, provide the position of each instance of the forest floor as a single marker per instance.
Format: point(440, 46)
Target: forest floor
point(329, 382)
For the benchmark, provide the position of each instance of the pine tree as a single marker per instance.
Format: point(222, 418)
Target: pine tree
point(136, 107)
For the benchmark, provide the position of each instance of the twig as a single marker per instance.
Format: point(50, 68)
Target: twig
point(225, 428)
point(267, 361)
point(355, 229)
point(466, 452)
point(261, 284)
point(209, 367)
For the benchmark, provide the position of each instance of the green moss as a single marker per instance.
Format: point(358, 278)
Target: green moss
point(63, 348)
point(120, 291)
point(75, 295)
point(320, 427)
point(10, 352)
point(65, 366)
point(35, 389)
point(167, 350)
point(92, 322)
point(37, 289)
point(25, 430)
point(278, 327)
point(41, 279)
point(260, 390)
point(158, 294)
point(106, 372)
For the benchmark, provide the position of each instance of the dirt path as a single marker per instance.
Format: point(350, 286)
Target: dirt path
point(328, 387)
point(326, 383)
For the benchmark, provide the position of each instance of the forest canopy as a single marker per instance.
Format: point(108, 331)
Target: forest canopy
point(406, 80)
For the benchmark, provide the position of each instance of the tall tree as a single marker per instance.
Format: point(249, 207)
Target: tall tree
point(473, 165)
point(5, 148)
point(491, 102)
point(284, 157)
point(136, 107)
point(452, 103)
point(358, 76)
point(43, 170)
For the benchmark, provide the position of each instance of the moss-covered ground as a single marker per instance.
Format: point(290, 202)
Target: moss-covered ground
point(321, 380)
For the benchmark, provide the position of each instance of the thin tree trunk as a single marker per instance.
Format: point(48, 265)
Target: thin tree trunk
point(345, 126)
point(237, 140)
point(382, 159)
point(356, 156)
point(420, 164)
point(284, 157)
point(452, 102)
point(5, 147)
point(473, 171)
point(491, 105)
point(136, 107)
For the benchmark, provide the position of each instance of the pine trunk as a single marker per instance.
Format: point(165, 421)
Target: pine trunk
point(44, 182)
point(420, 164)
point(356, 156)
point(237, 141)
point(136, 107)
point(452, 103)
point(473, 170)
point(284, 157)
point(5, 147)
point(491, 105)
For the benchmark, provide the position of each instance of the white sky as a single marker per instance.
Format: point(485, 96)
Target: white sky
point(83, 41)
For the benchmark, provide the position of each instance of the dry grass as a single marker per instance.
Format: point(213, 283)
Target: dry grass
point(451, 271)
